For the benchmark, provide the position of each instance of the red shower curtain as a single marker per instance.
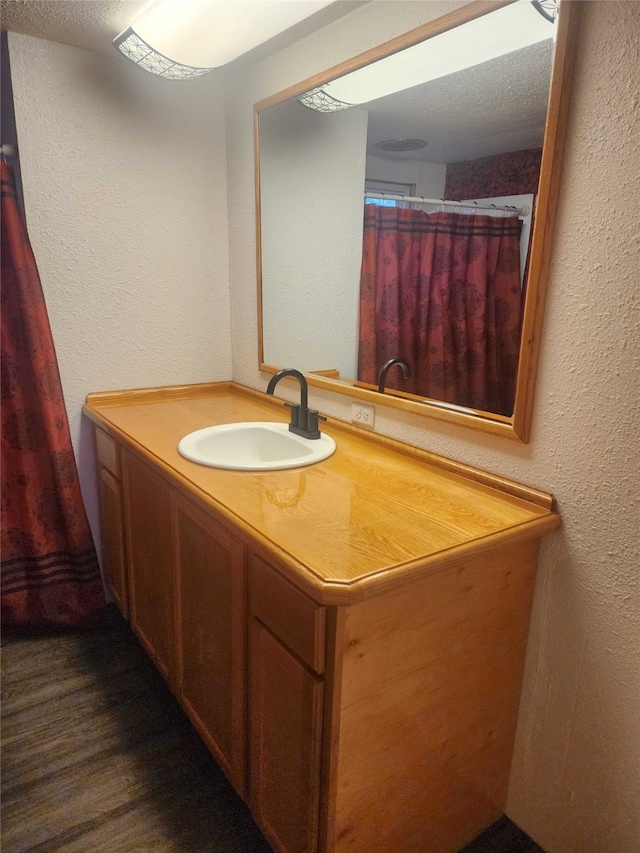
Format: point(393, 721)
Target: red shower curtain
point(49, 569)
point(442, 291)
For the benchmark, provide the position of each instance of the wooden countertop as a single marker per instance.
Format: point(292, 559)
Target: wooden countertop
point(371, 517)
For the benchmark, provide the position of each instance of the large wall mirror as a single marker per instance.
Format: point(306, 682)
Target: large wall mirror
point(405, 208)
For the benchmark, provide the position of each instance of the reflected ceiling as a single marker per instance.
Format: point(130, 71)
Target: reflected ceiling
point(457, 114)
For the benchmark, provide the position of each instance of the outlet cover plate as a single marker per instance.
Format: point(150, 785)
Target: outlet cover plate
point(363, 415)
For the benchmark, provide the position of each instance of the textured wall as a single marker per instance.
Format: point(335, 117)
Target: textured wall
point(575, 778)
point(125, 190)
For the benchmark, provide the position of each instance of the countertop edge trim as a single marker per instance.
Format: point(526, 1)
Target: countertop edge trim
point(149, 395)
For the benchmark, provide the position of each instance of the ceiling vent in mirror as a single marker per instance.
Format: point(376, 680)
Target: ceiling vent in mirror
point(401, 145)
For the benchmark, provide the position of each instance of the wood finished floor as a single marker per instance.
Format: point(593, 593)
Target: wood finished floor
point(97, 757)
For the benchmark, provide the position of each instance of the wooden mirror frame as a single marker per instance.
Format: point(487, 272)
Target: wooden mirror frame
point(518, 426)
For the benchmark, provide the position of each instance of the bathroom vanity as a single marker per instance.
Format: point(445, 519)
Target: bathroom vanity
point(348, 638)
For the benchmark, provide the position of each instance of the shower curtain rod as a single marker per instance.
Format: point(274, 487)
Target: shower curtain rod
point(418, 199)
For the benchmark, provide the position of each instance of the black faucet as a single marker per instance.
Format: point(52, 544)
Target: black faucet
point(304, 421)
point(382, 376)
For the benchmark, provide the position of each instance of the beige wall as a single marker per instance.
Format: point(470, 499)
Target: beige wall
point(575, 780)
point(126, 198)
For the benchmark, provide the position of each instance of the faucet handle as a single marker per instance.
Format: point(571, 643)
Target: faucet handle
point(312, 422)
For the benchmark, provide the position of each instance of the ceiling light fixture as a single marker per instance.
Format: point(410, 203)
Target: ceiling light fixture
point(183, 39)
point(503, 31)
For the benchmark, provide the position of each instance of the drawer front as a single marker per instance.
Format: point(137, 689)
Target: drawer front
point(107, 453)
point(293, 617)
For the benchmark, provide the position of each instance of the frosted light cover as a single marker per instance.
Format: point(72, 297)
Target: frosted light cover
point(503, 31)
point(182, 39)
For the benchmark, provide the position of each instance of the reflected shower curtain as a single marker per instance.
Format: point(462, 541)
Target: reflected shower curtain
point(442, 291)
point(49, 569)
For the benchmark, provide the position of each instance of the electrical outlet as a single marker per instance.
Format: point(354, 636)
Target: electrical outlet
point(363, 415)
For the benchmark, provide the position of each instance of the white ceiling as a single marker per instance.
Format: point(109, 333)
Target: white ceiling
point(498, 106)
point(91, 24)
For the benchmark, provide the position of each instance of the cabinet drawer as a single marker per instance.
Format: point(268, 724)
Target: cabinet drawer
point(108, 453)
point(293, 617)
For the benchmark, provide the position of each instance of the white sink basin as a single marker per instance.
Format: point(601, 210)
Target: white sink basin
point(254, 446)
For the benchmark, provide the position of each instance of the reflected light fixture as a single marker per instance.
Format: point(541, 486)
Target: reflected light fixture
point(183, 39)
point(547, 8)
point(503, 31)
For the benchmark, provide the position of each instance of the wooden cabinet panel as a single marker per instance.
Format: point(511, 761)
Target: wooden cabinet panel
point(148, 530)
point(429, 688)
point(108, 452)
point(294, 617)
point(285, 701)
point(210, 619)
point(114, 565)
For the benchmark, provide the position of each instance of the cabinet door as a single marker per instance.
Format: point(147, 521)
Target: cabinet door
point(285, 702)
point(114, 567)
point(148, 530)
point(210, 617)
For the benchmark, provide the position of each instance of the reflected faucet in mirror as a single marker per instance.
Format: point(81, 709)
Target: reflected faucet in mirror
point(382, 376)
point(304, 421)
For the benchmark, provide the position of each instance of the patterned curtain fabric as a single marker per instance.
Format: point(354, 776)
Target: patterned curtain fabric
point(442, 291)
point(49, 569)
